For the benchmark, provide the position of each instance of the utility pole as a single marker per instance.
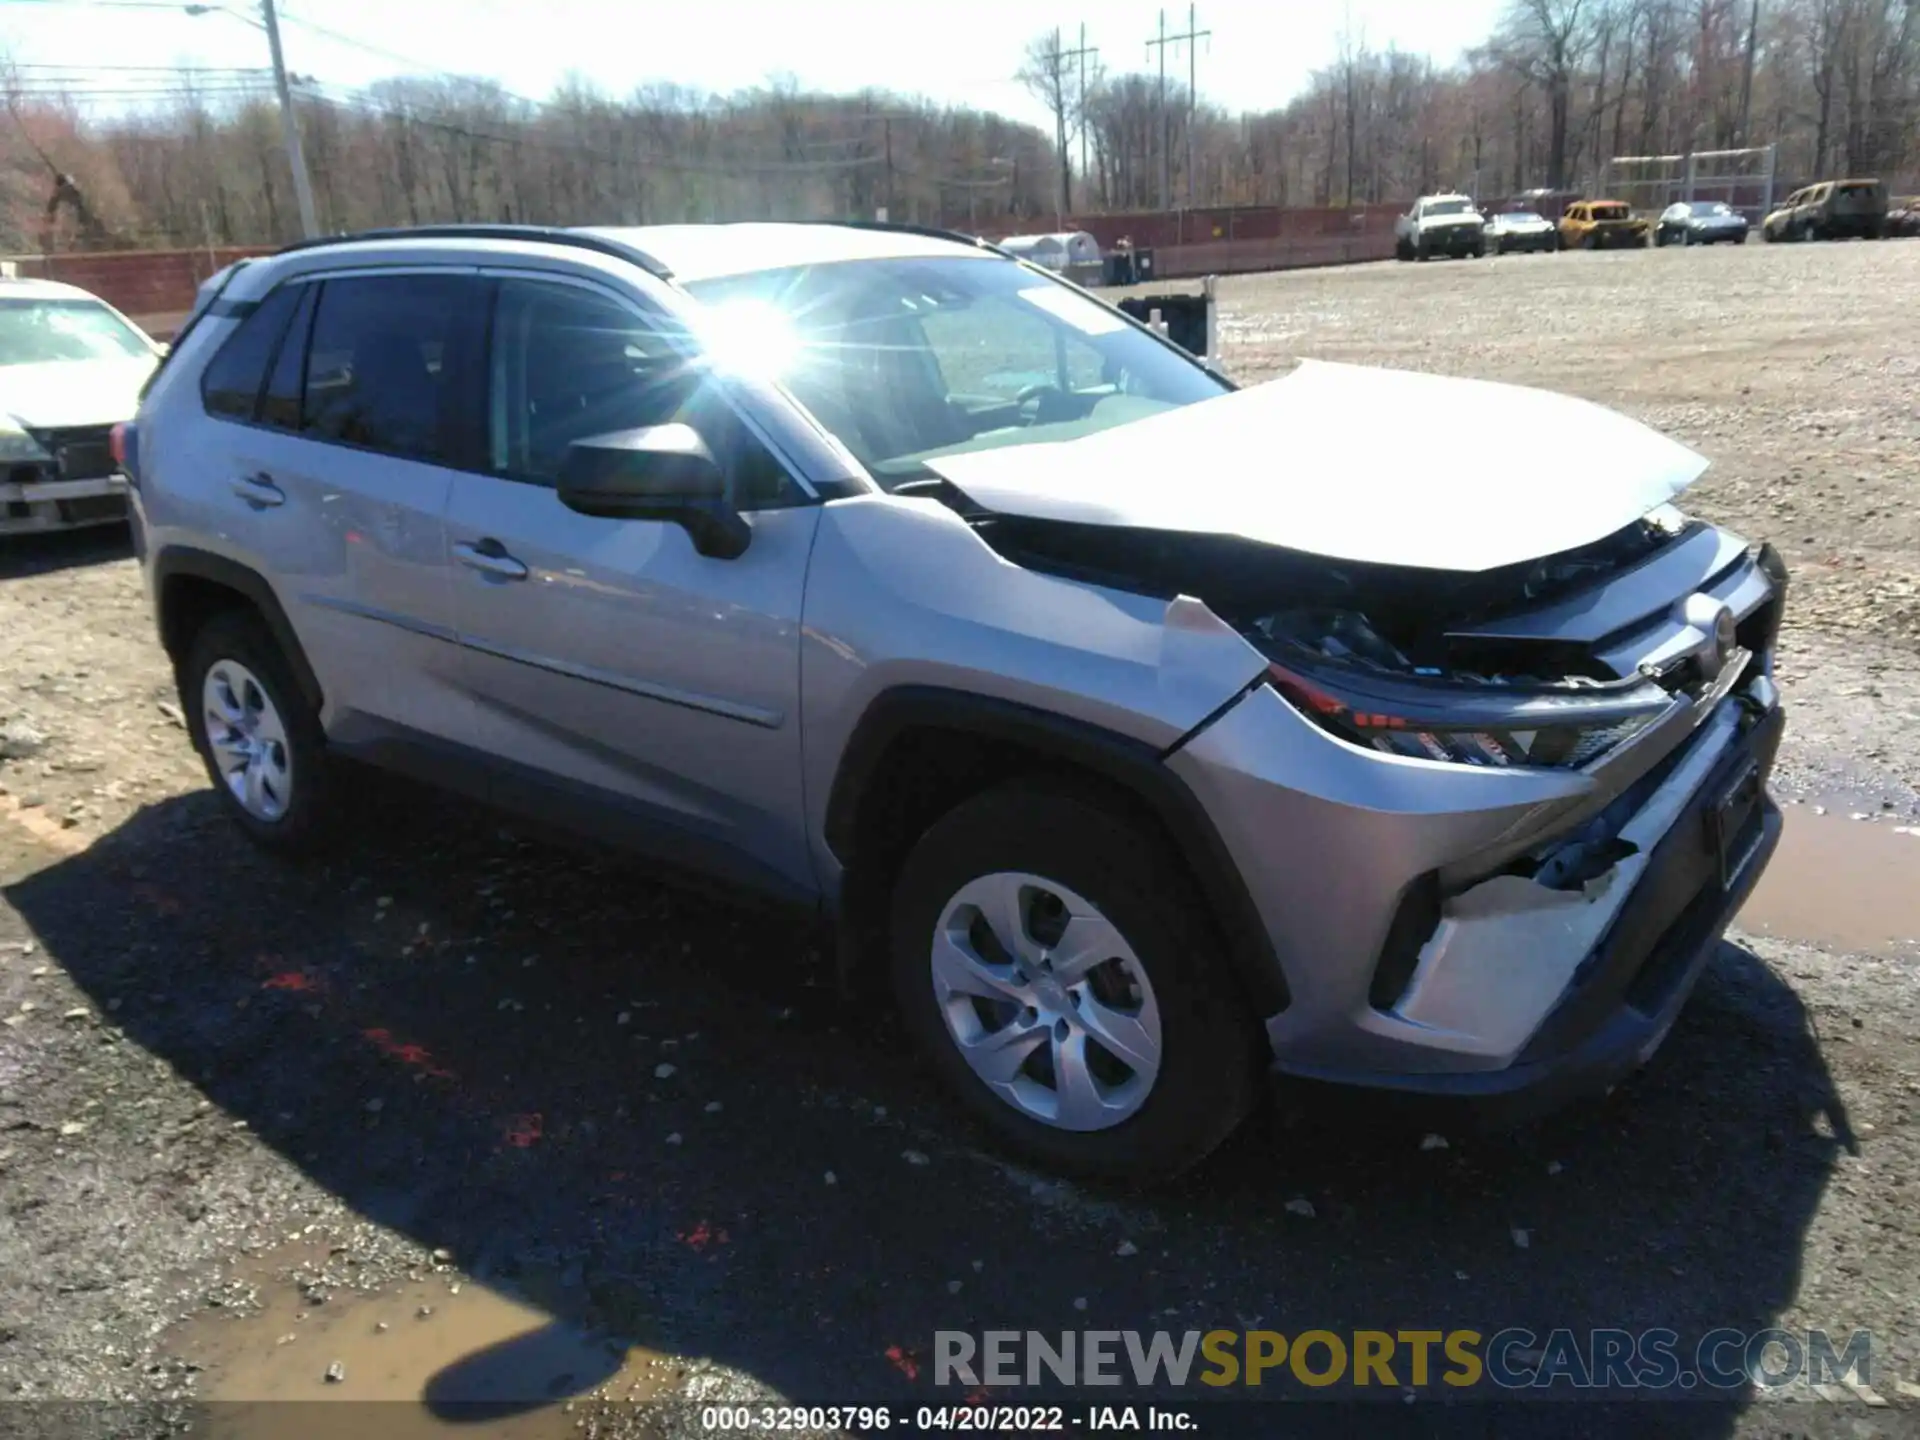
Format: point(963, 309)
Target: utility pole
point(1166, 134)
point(1079, 54)
point(1193, 38)
point(1192, 35)
point(290, 126)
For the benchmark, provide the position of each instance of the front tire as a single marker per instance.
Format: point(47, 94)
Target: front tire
point(258, 737)
point(1054, 966)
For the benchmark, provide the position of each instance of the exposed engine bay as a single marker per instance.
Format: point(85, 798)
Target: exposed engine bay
point(1393, 618)
point(1384, 655)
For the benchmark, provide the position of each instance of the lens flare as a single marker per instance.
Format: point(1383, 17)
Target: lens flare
point(753, 337)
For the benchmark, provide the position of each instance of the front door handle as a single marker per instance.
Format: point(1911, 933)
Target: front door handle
point(259, 491)
point(490, 558)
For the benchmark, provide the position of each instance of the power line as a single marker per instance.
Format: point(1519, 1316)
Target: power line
point(163, 70)
point(341, 38)
point(174, 5)
point(371, 105)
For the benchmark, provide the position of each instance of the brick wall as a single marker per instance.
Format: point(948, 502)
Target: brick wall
point(146, 284)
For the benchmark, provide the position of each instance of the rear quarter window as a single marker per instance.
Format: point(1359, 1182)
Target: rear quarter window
point(231, 384)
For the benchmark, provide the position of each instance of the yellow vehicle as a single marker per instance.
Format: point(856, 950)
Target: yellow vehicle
point(1596, 224)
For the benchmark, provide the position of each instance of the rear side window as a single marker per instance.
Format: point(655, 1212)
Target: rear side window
point(385, 359)
point(231, 384)
point(280, 405)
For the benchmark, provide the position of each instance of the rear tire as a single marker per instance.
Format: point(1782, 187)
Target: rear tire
point(258, 737)
point(1000, 861)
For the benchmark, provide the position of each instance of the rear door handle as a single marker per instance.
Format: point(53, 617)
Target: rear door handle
point(490, 558)
point(259, 491)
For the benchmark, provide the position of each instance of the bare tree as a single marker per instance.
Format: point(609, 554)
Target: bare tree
point(1546, 40)
point(1052, 80)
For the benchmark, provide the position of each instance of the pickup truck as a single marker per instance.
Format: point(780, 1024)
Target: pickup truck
point(1440, 225)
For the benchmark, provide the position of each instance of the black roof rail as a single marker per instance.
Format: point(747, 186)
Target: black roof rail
point(544, 234)
point(932, 232)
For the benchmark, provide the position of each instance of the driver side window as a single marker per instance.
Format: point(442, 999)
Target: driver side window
point(569, 363)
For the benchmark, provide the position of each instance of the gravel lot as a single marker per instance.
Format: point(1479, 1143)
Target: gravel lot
point(254, 1120)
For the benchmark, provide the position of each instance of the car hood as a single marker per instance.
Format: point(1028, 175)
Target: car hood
point(60, 393)
point(1353, 463)
point(1433, 222)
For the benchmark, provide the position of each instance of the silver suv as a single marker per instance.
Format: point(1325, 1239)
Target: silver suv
point(1154, 733)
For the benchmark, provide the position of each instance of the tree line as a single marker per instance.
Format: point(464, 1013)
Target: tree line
point(1557, 89)
point(1560, 87)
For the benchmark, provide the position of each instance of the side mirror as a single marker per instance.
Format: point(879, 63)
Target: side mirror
point(661, 472)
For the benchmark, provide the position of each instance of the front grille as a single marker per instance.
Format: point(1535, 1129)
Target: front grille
point(81, 452)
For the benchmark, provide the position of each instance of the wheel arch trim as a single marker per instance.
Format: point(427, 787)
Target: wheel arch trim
point(1129, 764)
point(185, 561)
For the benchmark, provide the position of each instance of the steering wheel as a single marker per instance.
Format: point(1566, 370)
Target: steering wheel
point(1036, 397)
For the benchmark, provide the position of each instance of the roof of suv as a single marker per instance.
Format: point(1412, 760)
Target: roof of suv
point(702, 252)
point(706, 252)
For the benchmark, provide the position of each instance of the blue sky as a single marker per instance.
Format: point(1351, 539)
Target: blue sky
point(960, 51)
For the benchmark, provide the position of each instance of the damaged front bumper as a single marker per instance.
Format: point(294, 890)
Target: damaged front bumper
point(61, 504)
point(1609, 964)
point(1513, 934)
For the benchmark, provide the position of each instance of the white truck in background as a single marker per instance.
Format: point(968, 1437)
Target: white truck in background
point(1440, 225)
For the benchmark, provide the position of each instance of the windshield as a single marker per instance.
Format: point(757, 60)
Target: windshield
point(1444, 207)
point(33, 332)
point(1710, 207)
point(1522, 217)
point(908, 359)
point(1609, 212)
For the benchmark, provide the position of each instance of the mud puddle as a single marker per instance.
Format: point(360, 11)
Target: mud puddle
point(448, 1355)
point(1850, 884)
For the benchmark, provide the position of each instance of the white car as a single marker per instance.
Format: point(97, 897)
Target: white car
point(1440, 225)
point(71, 368)
point(1521, 230)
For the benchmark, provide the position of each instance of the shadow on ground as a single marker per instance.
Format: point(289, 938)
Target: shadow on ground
point(626, 1101)
point(46, 553)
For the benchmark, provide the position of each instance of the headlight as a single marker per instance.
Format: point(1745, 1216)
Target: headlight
point(1360, 696)
point(17, 447)
point(1551, 731)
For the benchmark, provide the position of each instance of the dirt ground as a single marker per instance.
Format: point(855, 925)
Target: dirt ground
point(466, 1115)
